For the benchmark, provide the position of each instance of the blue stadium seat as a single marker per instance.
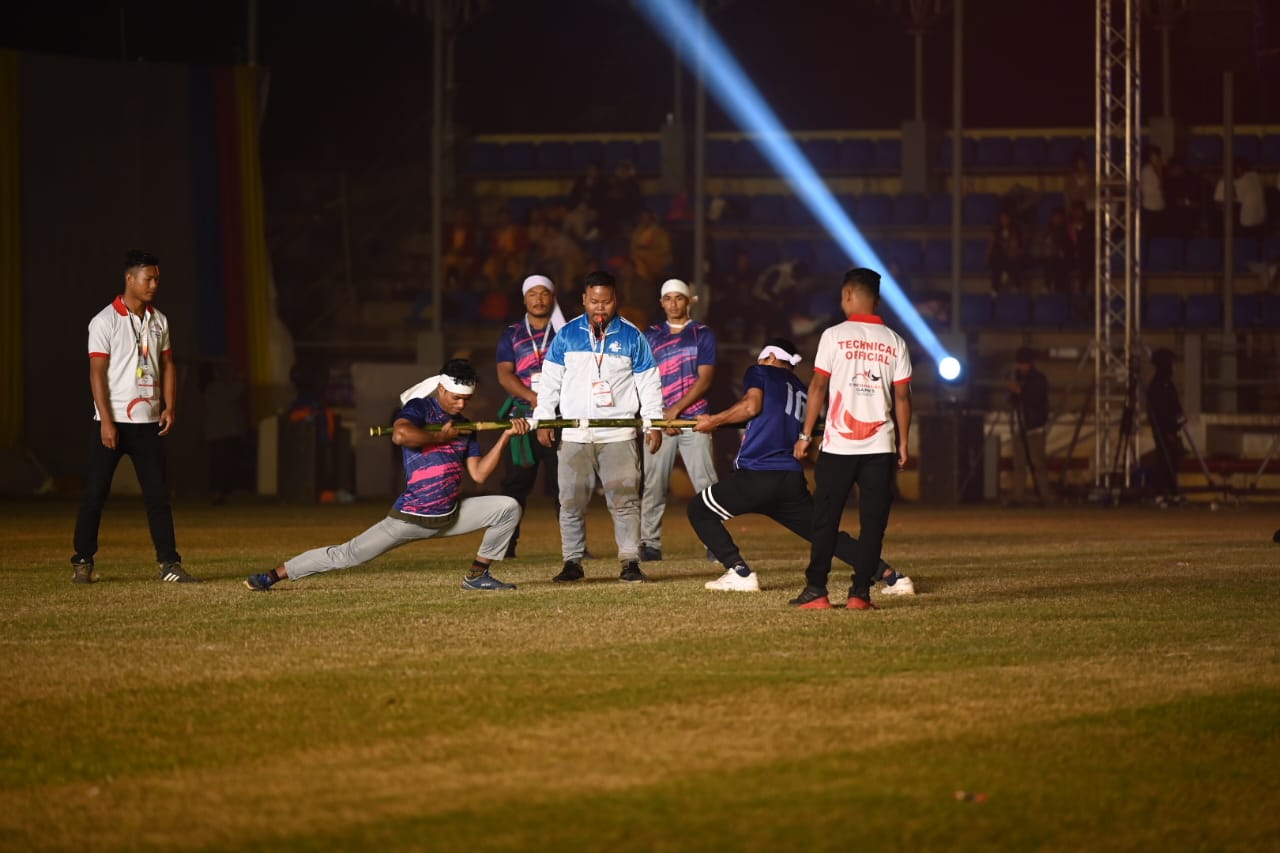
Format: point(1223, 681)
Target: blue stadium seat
point(937, 258)
point(824, 154)
point(798, 249)
point(907, 253)
point(617, 151)
point(939, 209)
point(968, 151)
point(1047, 204)
point(1246, 310)
point(797, 212)
point(1271, 250)
point(1203, 254)
point(910, 209)
point(723, 252)
point(553, 158)
point(484, 158)
point(1245, 251)
point(830, 259)
point(980, 208)
point(1030, 152)
point(856, 155)
point(1062, 151)
point(887, 155)
point(1163, 311)
point(520, 206)
point(719, 156)
point(975, 310)
point(1164, 254)
point(974, 257)
point(1269, 150)
point(994, 152)
point(749, 161)
point(648, 157)
point(1246, 145)
point(584, 153)
point(848, 203)
point(872, 209)
point(1270, 310)
point(764, 253)
point(1011, 310)
point(1204, 150)
point(1051, 310)
point(737, 208)
point(1203, 311)
point(767, 209)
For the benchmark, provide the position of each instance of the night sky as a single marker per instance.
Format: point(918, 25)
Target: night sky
point(350, 77)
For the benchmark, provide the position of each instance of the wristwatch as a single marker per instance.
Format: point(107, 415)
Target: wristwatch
point(803, 437)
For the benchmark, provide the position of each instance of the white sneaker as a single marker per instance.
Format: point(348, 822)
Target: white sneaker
point(904, 586)
point(734, 582)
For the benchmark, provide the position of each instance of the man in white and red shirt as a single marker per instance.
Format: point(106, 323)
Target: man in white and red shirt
point(135, 390)
point(866, 369)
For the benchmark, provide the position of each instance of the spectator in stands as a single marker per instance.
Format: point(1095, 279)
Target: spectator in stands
point(1080, 230)
point(1079, 185)
point(1152, 178)
point(650, 248)
point(1005, 254)
point(1184, 196)
point(553, 253)
point(1250, 202)
point(580, 224)
point(461, 251)
point(508, 250)
point(622, 206)
point(1057, 253)
point(589, 189)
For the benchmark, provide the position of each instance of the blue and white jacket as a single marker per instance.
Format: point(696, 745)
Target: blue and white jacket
point(576, 359)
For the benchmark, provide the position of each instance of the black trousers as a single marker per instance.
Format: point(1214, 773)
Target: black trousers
point(780, 495)
point(141, 443)
point(518, 480)
point(835, 476)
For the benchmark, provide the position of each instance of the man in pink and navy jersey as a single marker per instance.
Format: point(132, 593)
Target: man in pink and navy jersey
point(135, 393)
point(685, 351)
point(865, 368)
point(434, 461)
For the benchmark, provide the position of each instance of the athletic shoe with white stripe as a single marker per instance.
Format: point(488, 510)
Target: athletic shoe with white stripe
point(902, 586)
point(733, 582)
point(174, 573)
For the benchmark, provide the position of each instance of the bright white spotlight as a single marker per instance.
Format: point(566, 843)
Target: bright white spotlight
point(949, 368)
point(681, 24)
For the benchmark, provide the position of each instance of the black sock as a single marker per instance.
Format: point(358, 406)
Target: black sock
point(477, 569)
point(273, 576)
point(742, 569)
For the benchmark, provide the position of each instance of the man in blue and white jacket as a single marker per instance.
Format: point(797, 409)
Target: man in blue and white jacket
point(600, 366)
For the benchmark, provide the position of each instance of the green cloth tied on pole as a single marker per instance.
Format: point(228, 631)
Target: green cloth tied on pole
point(521, 445)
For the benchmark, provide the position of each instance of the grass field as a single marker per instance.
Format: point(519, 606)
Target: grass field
point(1107, 678)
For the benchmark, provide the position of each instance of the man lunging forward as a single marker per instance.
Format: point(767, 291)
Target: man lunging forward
point(429, 506)
point(767, 477)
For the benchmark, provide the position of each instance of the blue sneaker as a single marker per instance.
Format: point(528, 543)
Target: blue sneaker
point(486, 581)
point(259, 583)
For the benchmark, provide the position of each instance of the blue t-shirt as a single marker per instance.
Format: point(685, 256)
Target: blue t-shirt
point(771, 435)
point(433, 473)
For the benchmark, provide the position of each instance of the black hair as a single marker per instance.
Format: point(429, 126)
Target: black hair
point(599, 278)
point(460, 370)
point(139, 258)
point(861, 278)
point(784, 345)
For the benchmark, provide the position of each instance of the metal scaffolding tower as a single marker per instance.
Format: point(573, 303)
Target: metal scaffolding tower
point(1117, 278)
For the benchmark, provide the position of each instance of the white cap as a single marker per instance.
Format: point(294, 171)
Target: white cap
point(674, 285)
point(537, 281)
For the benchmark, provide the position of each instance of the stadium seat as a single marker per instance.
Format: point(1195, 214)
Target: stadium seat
point(1244, 252)
point(1203, 311)
point(848, 203)
point(824, 154)
point(519, 207)
point(1051, 310)
point(1030, 152)
point(749, 161)
point(798, 249)
point(617, 151)
point(484, 158)
point(1269, 150)
point(1164, 254)
point(856, 155)
point(968, 149)
point(723, 252)
point(1011, 310)
point(1271, 250)
point(1246, 310)
point(907, 253)
point(994, 152)
point(1163, 311)
point(1203, 255)
point(937, 258)
point(764, 253)
point(872, 209)
point(939, 209)
point(973, 259)
point(1204, 150)
point(975, 310)
point(719, 156)
point(767, 209)
point(1062, 151)
point(830, 259)
point(887, 156)
point(824, 302)
point(1246, 145)
point(583, 154)
point(648, 157)
point(980, 208)
point(1270, 311)
point(910, 209)
point(554, 158)
point(797, 212)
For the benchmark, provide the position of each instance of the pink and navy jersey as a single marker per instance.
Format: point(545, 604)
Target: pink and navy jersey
point(679, 355)
point(433, 474)
point(771, 435)
point(525, 347)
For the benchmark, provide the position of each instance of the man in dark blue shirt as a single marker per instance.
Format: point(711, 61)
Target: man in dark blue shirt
point(767, 478)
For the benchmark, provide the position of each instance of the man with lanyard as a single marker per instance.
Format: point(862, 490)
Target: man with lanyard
point(135, 391)
point(868, 370)
point(429, 506)
point(600, 366)
point(521, 351)
point(767, 478)
point(686, 354)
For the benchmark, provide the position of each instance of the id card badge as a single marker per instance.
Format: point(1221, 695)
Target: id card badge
point(601, 393)
point(535, 382)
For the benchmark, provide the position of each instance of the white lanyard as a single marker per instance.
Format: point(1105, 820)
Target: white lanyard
point(538, 349)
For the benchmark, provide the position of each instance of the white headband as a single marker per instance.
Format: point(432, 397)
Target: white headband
point(675, 285)
point(431, 383)
point(557, 316)
point(782, 354)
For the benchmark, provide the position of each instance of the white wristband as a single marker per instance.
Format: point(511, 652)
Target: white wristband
point(647, 424)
